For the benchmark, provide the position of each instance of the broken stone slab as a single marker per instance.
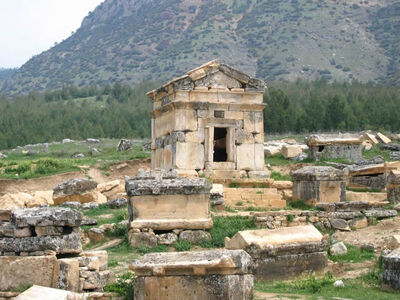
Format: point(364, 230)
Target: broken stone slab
point(195, 236)
point(383, 138)
point(281, 241)
point(68, 243)
point(167, 238)
point(198, 263)
point(21, 271)
point(291, 151)
point(339, 224)
point(380, 213)
point(94, 280)
point(37, 292)
point(74, 186)
point(391, 270)
point(46, 216)
point(96, 235)
point(338, 249)
point(95, 260)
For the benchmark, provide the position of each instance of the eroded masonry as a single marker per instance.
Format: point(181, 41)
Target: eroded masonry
point(210, 119)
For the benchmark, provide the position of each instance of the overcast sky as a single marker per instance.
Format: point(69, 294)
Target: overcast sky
point(28, 27)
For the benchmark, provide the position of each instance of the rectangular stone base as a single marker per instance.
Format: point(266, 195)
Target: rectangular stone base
point(241, 198)
point(289, 266)
point(233, 287)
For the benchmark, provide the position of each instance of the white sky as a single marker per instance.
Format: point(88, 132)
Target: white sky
point(28, 27)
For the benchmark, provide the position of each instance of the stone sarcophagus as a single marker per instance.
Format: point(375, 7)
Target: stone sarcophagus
point(162, 206)
point(210, 119)
point(344, 146)
point(283, 253)
point(201, 275)
point(315, 184)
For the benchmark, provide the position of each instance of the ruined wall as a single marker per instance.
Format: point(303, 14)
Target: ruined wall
point(350, 152)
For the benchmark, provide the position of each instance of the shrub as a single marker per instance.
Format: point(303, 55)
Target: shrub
point(123, 286)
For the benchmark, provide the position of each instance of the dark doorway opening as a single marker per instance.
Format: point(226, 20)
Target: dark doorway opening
point(220, 144)
point(321, 148)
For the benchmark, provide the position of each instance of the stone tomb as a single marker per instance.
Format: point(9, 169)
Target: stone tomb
point(391, 270)
point(201, 275)
point(344, 146)
point(42, 246)
point(209, 119)
point(283, 253)
point(162, 206)
point(315, 184)
point(393, 187)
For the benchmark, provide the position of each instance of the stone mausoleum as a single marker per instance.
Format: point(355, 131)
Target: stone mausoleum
point(211, 120)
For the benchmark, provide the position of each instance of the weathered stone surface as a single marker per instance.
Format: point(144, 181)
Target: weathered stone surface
point(15, 201)
point(39, 293)
point(371, 138)
point(95, 260)
point(291, 151)
point(74, 186)
point(365, 196)
point(71, 204)
point(41, 198)
point(90, 205)
point(218, 287)
point(358, 223)
point(393, 186)
point(21, 271)
point(68, 274)
point(391, 269)
point(108, 186)
point(195, 236)
point(393, 242)
point(117, 203)
point(95, 280)
point(48, 230)
point(339, 224)
point(68, 243)
point(383, 138)
point(92, 196)
point(5, 215)
point(96, 235)
point(166, 183)
point(318, 173)
point(380, 213)
point(338, 249)
point(140, 239)
point(46, 216)
point(167, 238)
point(289, 266)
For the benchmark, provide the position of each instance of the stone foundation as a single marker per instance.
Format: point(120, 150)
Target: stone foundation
point(214, 274)
point(267, 198)
point(393, 187)
point(283, 253)
point(314, 184)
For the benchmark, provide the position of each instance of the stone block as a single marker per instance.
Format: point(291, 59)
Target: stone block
point(68, 243)
point(46, 216)
point(22, 232)
point(185, 120)
point(189, 156)
point(383, 138)
point(96, 235)
point(218, 287)
point(48, 230)
point(371, 138)
point(338, 249)
point(68, 274)
point(100, 255)
point(5, 215)
point(167, 238)
point(37, 292)
point(21, 271)
point(96, 280)
point(246, 157)
point(143, 239)
point(259, 157)
point(195, 236)
point(391, 270)
point(291, 151)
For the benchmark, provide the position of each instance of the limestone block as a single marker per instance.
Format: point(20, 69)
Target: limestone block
point(245, 157)
point(195, 236)
point(383, 138)
point(95, 280)
point(37, 292)
point(365, 196)
point(195, 136)
point(92, 196)
point(22, 232)
point(15, 201)
point(189, 156)
point(5, 215)
point(393, 242)
point(290, 266)
point(367, 145)
point(253, 122)
point(291, 151)
point(218, 287)
point(259, 157)
point(339, 224)
point(100, 255)
point(68, 274)
point(21, 271)
point(244, 137)
point(168, 238)
point(48, 230)
point(371, 138)
point(69, 243)
point(108, 186)
point(142, 239)
point(210, 262)
point(96, 235)
point(46, 216)
point(7, 229)
point(198, 74)
point(391, 267)
point(358, 223)
point(338, 249)
point(185, 120)
point(380, 213)
point(271, 150)
point(218, 80)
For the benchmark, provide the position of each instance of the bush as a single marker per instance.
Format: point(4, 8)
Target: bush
point(123, 286)
point(227, 227)
point(182, 245)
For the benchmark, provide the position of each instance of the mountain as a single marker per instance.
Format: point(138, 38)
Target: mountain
point(6, 73)
point(131, 41)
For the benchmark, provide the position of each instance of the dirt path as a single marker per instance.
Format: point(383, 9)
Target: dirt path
point(118, 171)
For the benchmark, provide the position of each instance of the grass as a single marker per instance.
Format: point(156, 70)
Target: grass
point(278, 160)
point(365, 190)
point(56, 158)
point(123, 286)
point(301, 205)
point(364, 287)
point(353, 254)
point(158, 248)
point(182, 245)
point(377, 151)
point(106, 215)
point(227, 227)
point(278, 176)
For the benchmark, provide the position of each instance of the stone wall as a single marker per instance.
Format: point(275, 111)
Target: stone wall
point(393, 187)
point(42, 246)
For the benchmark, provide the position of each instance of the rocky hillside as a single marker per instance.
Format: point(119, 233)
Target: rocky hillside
point(132, 41)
